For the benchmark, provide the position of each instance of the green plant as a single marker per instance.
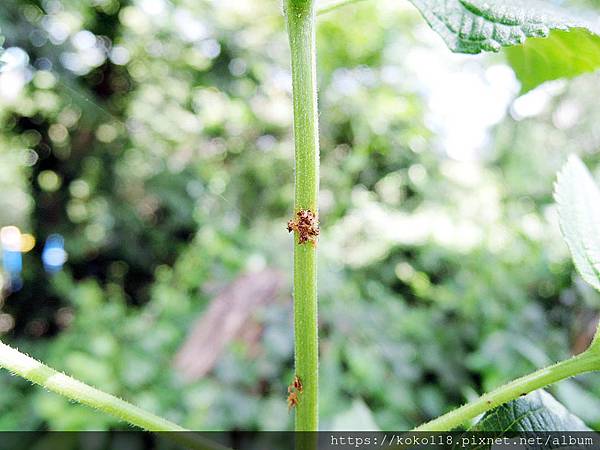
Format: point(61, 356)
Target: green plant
point(503, 29)
point(301, 29)
point(467, 27)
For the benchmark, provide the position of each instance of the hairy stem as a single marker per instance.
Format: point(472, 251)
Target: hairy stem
point(301, 31)
point(586, 362)
point(38, 373)
point(26, 367)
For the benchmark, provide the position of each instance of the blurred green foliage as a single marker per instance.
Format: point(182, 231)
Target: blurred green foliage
point(155, 137)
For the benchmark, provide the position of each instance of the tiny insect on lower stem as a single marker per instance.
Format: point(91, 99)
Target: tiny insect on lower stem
point(295, 390)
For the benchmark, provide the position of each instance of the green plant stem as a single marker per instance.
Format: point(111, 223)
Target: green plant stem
point(586, 362)
point(333, 5)
point(301, 31)
point(26, 367)
point(38, 373)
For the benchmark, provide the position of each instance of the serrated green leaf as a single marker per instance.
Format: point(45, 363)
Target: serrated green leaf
point(578, 200)
point(563, 44)
point(473, 26)
point(537, 411)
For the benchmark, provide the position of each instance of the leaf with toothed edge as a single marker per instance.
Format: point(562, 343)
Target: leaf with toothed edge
point(547, 42)
point(578, 200)
point(473, 26)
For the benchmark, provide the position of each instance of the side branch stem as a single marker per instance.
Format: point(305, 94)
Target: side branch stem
point(38, 373)
point(586, 362)
point(26, 367)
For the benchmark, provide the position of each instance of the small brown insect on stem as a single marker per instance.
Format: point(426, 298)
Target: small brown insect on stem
point(306, 225)
point(297, 384)
point(294, 391)
point(292, 400)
